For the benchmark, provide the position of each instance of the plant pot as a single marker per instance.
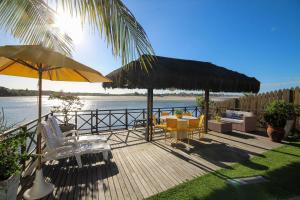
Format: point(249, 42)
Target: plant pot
point(68, 127)
point(179, 116)
point(9, 188)
point(275, 134)
point(288, 127)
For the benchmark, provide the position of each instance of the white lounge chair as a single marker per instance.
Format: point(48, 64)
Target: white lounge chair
point(55, 151)
point(71, 136)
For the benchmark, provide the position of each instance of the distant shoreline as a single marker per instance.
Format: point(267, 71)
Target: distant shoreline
point(138, 97)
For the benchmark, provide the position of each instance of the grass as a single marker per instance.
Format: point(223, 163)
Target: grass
point(281, 166)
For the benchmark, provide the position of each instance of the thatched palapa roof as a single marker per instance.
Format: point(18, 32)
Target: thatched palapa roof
point(181, 74)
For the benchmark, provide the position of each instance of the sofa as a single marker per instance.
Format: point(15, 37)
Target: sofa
point(241, 120)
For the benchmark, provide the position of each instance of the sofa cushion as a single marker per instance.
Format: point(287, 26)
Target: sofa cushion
point(244, 113)
point(232, 120)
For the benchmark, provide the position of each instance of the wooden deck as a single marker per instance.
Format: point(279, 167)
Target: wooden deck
point(139, 169)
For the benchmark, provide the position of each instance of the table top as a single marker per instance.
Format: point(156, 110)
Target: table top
point(184, 118)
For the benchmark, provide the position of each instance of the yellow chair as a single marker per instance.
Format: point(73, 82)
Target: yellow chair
point(193, 128)
point(201, 125)
point(163, 113)
point(196, 126)
point(187, 114)
point(171, 126)
point(162, 126)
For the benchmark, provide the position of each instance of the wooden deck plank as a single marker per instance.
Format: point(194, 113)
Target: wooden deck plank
point(114, 174)
point(139, 169)
point(136, 175)
point(135, 191)
point(142, 166)
point(99, 183)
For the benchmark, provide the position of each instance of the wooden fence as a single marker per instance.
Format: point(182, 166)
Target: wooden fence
point(257, 103)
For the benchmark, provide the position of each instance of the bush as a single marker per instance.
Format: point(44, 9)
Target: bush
point(9, 151)
point(200, 100)
point(178, 112)
point(10, 156)
point(277, 112)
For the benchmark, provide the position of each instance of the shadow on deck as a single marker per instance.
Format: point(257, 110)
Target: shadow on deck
point(140, 169)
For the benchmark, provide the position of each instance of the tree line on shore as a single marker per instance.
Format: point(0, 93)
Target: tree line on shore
point(6, 92)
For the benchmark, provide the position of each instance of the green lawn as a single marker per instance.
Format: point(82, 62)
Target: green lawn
point(281, 166)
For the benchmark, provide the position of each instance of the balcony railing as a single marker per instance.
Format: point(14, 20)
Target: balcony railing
point(89, 121)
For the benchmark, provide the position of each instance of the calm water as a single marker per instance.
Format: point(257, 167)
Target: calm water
point(22, 109)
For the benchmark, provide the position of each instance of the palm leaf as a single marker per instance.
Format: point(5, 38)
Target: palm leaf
point(31, 22)
point(113, 20)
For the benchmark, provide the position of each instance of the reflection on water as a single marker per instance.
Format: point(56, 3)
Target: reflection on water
point(21, 109)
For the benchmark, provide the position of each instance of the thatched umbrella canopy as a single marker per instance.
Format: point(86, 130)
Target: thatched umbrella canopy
point(180, 74)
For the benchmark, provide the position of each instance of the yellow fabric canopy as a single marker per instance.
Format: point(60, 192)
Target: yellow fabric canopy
point(35, 61)
point(25, 60)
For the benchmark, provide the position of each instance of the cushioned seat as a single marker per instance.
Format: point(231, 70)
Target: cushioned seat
point(241, 120)
point(232, 120)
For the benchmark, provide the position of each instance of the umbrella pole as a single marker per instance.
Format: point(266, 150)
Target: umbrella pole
point(40, 187)
point(39, 135)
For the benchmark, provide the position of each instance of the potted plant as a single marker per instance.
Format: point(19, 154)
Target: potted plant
point(218, 118)
point(68, 103)
point(291, 112)
point(178, 113)
point(276, 115)
point(10, 162)
point(200, 100)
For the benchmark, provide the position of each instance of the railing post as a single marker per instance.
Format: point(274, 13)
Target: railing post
point(91, 121)
point(126, 118)
point(75, 120)
point(97, 120)
point(109, 118)
point(144, 117)
point(158, 115)
point(23, 147)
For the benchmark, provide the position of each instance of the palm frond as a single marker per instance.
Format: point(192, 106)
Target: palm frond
point(31, 22)
point(113, 20)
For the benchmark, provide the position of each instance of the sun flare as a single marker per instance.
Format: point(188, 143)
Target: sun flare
point(70, 25)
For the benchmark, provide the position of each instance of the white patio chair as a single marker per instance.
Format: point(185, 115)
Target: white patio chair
point(64, 137)
point(55, 150)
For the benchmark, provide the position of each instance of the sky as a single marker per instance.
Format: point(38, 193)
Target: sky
point(260, 38)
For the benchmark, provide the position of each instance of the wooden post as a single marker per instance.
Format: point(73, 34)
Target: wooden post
point(206, 110)
point(149, 114)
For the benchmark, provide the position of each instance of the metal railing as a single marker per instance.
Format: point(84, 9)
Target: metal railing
point(95, 121)
point(89, 121)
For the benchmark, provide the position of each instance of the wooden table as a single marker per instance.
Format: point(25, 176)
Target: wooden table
point(184, 121)
point(221, 127)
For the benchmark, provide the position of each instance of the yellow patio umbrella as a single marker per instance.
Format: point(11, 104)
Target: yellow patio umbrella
point(35, 61)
